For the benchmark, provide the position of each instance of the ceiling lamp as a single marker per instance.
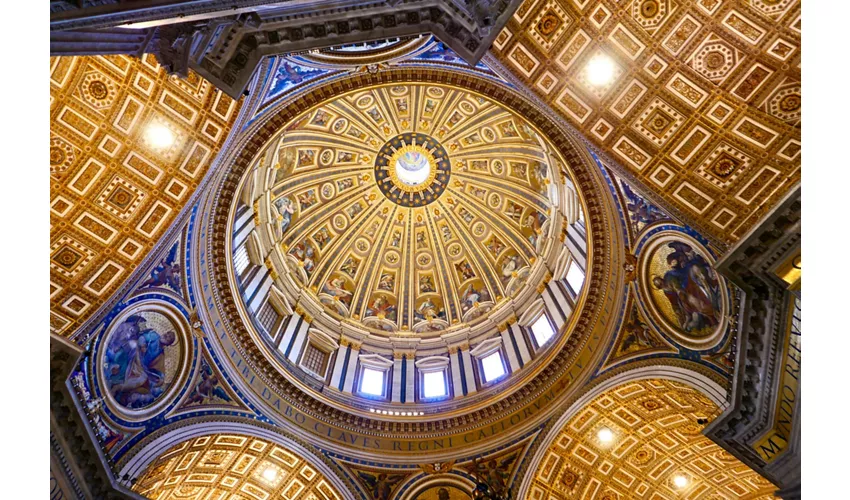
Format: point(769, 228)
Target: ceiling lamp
point(680, 481)
point(270, 474)
point(605, 435)
point(600, 70)
point(159, 135)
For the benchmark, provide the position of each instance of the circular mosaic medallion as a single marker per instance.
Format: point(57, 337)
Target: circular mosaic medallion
point(412, 169)
point(392, 258)
point(684, 292)
point(142, 359)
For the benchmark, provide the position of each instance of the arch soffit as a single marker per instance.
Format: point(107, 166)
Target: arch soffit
point(699, 381)
point(153, 446)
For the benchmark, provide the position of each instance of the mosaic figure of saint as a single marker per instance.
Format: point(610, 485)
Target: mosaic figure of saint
point(135, 362)
point(381, 306)
point(304, 253)
point(691, 287)
point(472, 296)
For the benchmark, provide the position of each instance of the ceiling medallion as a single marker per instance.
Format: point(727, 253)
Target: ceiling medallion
point(412, 169)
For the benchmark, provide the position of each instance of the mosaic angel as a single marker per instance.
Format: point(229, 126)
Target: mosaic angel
point(307, 199)
point(350, 266)
point(322, 237)
point(495, 246)
point(426, 284)
point(335, 287)
point(641, 212)
point(208, 389)
point(465, 270)
point(167, 273)
point(386, 282)
point(285, 209)
point(381, 486)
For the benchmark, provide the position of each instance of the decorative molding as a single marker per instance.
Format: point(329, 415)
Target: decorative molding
point(225, 42)
point(763, 327)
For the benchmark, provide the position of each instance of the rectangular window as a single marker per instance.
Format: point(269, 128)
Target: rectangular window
point(492, 366)
point(372, 382)
point(240, 259)
point(268, 317)
point(542, 330)
point(575, 277)
point(434, 384)
point(315, 360)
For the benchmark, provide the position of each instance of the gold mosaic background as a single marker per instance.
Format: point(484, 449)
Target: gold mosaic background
point(112, 192)
point(705, 104)
point(656, 437)
point(235, 467)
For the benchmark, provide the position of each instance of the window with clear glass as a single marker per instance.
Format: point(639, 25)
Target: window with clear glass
point(542, 330)
point(372, 382)
point(575, 277)
point(492, 366)
point(434, 384)
point(240, 259)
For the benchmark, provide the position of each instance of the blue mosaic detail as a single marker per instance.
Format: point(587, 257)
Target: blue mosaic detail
point(287, 74)
point(442, 53)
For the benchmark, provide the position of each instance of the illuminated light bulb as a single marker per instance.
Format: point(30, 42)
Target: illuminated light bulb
point(680, 481)
point(600, 70)
point(605, 435)
point(159, 136)
point(269, 474)
point(371, 410)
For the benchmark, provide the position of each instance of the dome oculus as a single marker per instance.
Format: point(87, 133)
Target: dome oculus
point(412, 169)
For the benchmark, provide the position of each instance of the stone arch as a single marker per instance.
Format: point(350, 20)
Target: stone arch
point(153, 446)
point(702, 383)
point(453, 479)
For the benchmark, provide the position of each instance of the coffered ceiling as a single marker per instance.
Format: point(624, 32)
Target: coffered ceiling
point(232, 466)
point(128, 146)
point(656, 451)
point(705, 103)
